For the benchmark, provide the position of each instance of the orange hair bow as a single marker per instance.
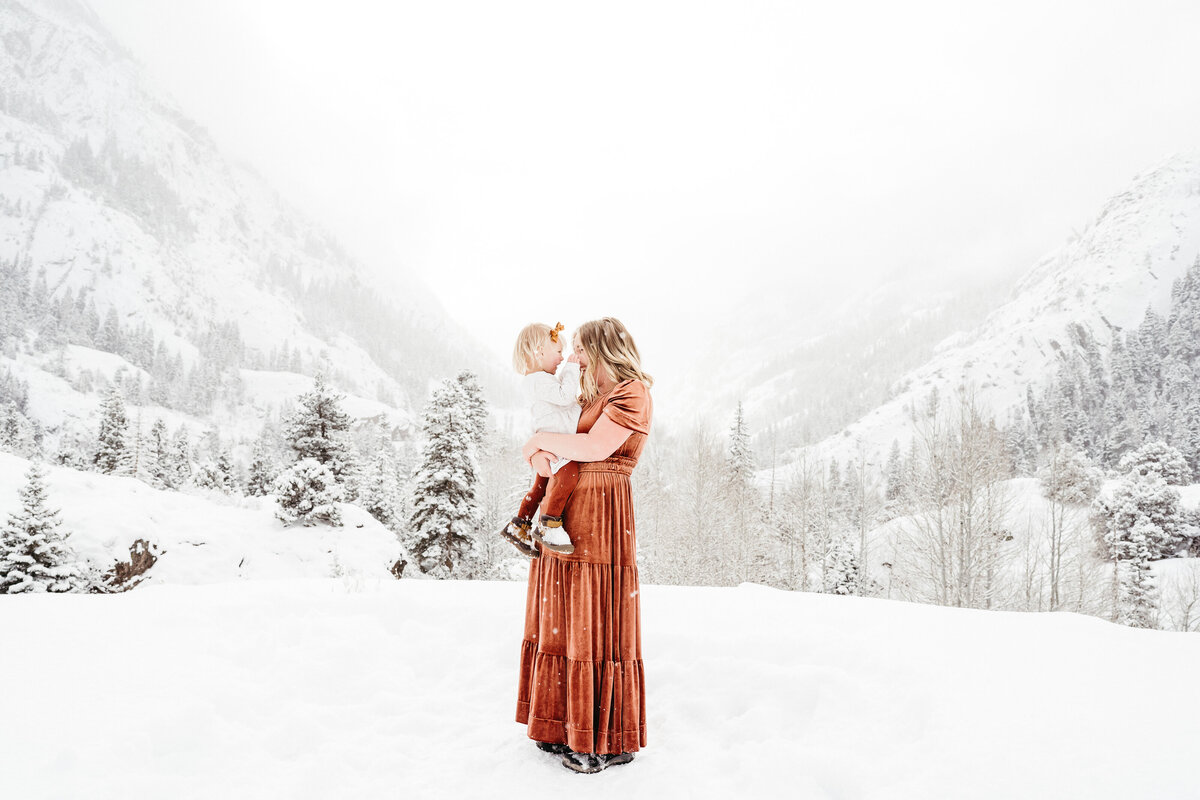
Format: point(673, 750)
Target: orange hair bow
point(555, 331)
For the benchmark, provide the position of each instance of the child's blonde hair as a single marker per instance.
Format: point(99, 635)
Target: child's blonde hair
point(609, 346)
point(533, 337)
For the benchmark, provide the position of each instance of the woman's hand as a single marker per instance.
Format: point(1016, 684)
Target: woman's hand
point(531, 447)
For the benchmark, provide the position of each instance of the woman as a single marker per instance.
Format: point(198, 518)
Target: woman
point(581, 691)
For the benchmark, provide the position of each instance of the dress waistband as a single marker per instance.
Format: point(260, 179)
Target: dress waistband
point(621, 464)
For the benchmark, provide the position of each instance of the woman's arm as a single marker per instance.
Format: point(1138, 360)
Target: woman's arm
point(596, 445)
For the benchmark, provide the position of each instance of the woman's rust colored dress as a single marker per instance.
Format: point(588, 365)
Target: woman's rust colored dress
point(581, 661)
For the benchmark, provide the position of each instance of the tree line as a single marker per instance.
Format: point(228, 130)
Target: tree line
point(435, 506)
point(940, 520)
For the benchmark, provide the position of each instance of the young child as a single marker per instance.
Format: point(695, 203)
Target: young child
point(552, 396)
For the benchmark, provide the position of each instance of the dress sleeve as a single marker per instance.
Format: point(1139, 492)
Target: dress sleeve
point(629, 406)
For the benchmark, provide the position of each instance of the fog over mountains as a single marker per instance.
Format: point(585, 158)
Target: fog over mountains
point(880, 356)
point(188, 273)
point(216, 290)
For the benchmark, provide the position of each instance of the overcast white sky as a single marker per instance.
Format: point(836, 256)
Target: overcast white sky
point(651, 160)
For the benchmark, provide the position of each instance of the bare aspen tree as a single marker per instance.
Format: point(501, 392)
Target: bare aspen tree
point(1082, 577)
point(657, 537)
point(1032, 569)
point(1089, 574)
point(771, 491)
point(926, 551)
point(504, 479)
point(1069, 483)
point(704, 548)
point(796, 518)
point(867, 503)
point(1181, 598)
point(828, 522)
point(953, 543)
point(787, 523)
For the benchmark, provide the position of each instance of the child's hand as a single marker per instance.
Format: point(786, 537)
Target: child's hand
point(541, 463)
point(573, 358)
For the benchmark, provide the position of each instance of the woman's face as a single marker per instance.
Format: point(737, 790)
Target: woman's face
point(583, 360)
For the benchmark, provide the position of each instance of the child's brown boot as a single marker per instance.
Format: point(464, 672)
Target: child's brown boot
point(552, 535)
point(517, 533)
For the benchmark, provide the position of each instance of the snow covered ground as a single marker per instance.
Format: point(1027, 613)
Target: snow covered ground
point(201, 536)
point(367, 688)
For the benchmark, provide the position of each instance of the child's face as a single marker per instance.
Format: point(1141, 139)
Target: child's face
point(550, 356)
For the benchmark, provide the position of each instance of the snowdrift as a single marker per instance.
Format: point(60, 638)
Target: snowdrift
point(361, 688)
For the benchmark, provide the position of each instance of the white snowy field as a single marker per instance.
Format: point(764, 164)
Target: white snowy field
point(200, 537)
point(363, 688)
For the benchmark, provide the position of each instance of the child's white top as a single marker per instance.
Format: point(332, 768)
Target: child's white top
point(553, 400)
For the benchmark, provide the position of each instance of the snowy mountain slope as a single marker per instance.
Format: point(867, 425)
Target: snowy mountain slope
point(112, 193)
point(58, 404)
point(319, 689)
point(203, 537)
point(1127, 259)
point(805, 362)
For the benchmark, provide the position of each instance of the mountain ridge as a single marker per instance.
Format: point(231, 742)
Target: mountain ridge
point(113, 197)
point(1103, 279)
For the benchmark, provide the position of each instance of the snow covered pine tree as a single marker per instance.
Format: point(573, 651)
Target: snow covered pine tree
point(34, 556)
point(475, 407)
point(261, 474)
point(318, 427)
point(741, 497)
point(1140, 523)
point(444, 516)
point(158, 449)
point(377, 494)
point(309, 491)
point(112, 451)
point(1160, 458)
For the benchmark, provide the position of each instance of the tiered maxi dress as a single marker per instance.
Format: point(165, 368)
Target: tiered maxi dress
point(581, 659)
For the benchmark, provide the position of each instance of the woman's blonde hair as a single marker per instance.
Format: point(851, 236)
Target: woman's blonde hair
point(609, 346)
point(531, 339)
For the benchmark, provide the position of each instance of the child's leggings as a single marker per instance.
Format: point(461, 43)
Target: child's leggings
point(555, 490)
